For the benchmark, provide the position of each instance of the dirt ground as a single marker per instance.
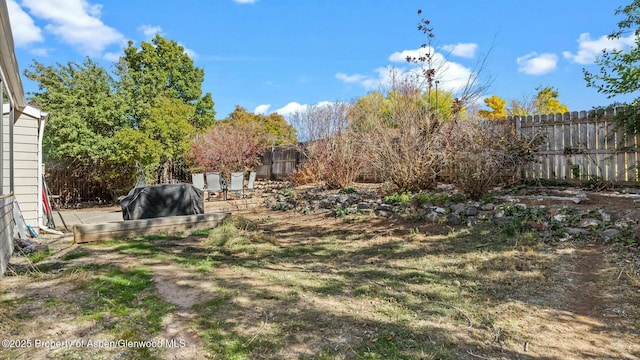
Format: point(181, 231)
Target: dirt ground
point(590, 312)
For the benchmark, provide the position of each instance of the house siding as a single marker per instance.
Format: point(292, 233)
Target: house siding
point(25, 157)
point(6, 231)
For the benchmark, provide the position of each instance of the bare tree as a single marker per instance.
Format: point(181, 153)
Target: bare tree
point(433, 66)
point(404, 146)
point(333, 154)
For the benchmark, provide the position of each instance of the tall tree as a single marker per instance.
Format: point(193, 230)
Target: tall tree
point(227, 148)
point(163, 68)
point(158, 141)
point(163, 88)
point(546, 101)
point(498, 108)
point(620, 69)
point(85, 111)
point(433, 105)
point(273, 127)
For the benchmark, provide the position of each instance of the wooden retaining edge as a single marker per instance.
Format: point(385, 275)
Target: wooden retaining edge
point(132, 228)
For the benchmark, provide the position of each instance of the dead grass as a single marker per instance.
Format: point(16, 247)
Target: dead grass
point(286, 286)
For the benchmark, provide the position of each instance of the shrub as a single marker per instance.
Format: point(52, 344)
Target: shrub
point(228, 148)
point(439, 198)
point(348, 190)
point(398, 198)
point(483, 154)
point(333, 152)
point(307, 174)
point(400, 138)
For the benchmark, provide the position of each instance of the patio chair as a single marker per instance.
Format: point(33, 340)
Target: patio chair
point(215, 185)
point(252, 181)
point(236, 184)
point(198, 181)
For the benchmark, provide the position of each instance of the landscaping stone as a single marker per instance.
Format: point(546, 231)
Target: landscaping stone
point(485, 215)
point(635, 230)
point(621, 224)
point(605, 215)
point(471, 211)
point(488, 207)
point(633, 216)
point(502, 220)
point(573, 221)
point(609, 234)
point(439, 210)
point(433, 216)
point(560, 217)
point(473, 221)
point(385, 207)
point(453, 219)
point(458, 207)
point(590, 223)
point(383, 213)
point(576, 231)
point(363, 206)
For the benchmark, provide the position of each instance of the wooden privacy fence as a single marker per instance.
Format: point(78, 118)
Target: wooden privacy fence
point(75, 185)
point(280, 161)
point(581, 146)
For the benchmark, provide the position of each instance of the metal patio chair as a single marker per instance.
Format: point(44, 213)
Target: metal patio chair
point(215, 185)
point(236, 185)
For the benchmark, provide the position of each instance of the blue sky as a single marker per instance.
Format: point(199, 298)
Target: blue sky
point(282, 55)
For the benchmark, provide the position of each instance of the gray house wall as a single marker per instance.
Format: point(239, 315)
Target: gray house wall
point(25, 164)
point(11, 85)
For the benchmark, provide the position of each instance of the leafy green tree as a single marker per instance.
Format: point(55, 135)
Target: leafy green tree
point(274, 128)
point(163, 68)
point(162, 86)
point(85, 111)
point(620, 69)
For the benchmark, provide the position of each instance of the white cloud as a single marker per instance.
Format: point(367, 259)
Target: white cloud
point(41, 52)
point(534, 64)
point(291, 108)
point(150, 31)
point(76, 22)
point(452, 76)
point(589, 48)
point(192, 54)
point(262, 109)
point(245, 1)
point(404, 54)
point(111, 56)
point(355, 78)
point(465, 50)
point(23, 27)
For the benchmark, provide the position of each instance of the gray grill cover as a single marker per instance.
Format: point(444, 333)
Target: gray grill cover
point(162, 200)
